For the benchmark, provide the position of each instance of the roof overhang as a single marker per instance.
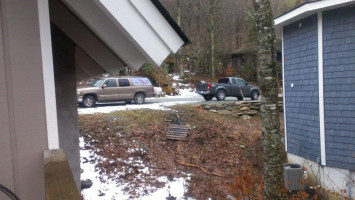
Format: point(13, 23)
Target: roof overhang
point(137, 31)
point(309, 9)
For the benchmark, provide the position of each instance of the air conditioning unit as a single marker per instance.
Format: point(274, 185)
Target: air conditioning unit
point(293, 175)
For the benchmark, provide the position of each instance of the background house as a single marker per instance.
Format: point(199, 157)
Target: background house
point(319, 90)
point(43, 44)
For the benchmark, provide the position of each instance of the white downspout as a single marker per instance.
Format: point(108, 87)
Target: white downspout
point(283, 88)
point(321, 89)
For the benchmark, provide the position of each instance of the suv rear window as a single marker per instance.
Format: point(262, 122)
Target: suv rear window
point(223, 80)
point(141, 81)
point(123, 82)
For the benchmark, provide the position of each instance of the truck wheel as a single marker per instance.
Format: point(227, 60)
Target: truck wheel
point(139, 98)
point(221, 95)
point(208, 97)
point(254, 95)
point(89, 101)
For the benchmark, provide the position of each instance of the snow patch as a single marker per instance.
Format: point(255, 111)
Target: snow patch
point(109, 189)
point(111, 108)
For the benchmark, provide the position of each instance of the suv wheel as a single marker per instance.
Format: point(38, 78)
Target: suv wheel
point(139, 99)
point(254, 95)
point(221, 95)
point(89, 101)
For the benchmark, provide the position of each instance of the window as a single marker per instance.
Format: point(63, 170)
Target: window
point(111, 83)
point(234, 82)
point(242, 83)
point(96, 83)
point(123, 82)
point(141, 81)
point(223, 80)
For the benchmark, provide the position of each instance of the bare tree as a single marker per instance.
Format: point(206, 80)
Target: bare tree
point(270, 123)
point(213, 20)
point(216, 28)
point(178, 62)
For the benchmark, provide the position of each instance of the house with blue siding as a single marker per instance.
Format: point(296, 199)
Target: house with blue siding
point(318, 47)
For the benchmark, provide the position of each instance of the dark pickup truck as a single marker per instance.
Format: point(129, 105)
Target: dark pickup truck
point(230, 86)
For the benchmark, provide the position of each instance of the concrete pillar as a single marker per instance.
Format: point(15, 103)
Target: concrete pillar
point(65, 81)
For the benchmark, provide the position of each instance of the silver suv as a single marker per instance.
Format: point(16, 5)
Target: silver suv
point(126, 89)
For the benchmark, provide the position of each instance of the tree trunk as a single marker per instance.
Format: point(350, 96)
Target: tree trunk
point(212, 30)
point(272, 146)
point(198, 32)
point(212, 52)
point(178, 54)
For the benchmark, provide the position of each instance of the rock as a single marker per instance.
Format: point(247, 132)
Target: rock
point(240, 102)
point(85, 184)
point(101, 194)
point(220, 106)
point(207, 107)
point(244, 108)
point(251, 112)
point(213, 111)
point(246, 117)
point(239, 114)
point(188, 126)
point(224, 112)
point(170, 197)
point(254, 107)
point(242, 146)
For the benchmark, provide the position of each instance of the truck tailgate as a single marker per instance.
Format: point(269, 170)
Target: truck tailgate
point(202, 87)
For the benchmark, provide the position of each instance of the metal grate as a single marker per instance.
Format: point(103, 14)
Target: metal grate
point(177, 132)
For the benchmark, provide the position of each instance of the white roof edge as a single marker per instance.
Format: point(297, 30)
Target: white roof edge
point(159, 24)
point(309, 9)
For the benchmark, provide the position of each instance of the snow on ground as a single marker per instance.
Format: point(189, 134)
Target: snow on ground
point(184, 93)
point(113, 108)
point(110, 189)
point(106, 188)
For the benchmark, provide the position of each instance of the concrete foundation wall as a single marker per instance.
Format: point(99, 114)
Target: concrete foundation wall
point(65, 81)
point(334, 179)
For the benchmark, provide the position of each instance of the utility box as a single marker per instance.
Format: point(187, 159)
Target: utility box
point(293, 175)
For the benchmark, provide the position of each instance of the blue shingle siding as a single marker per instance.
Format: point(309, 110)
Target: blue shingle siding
point(339, 86)
point(301, 69)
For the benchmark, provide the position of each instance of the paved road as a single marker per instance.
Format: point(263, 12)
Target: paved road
point(191, 100)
